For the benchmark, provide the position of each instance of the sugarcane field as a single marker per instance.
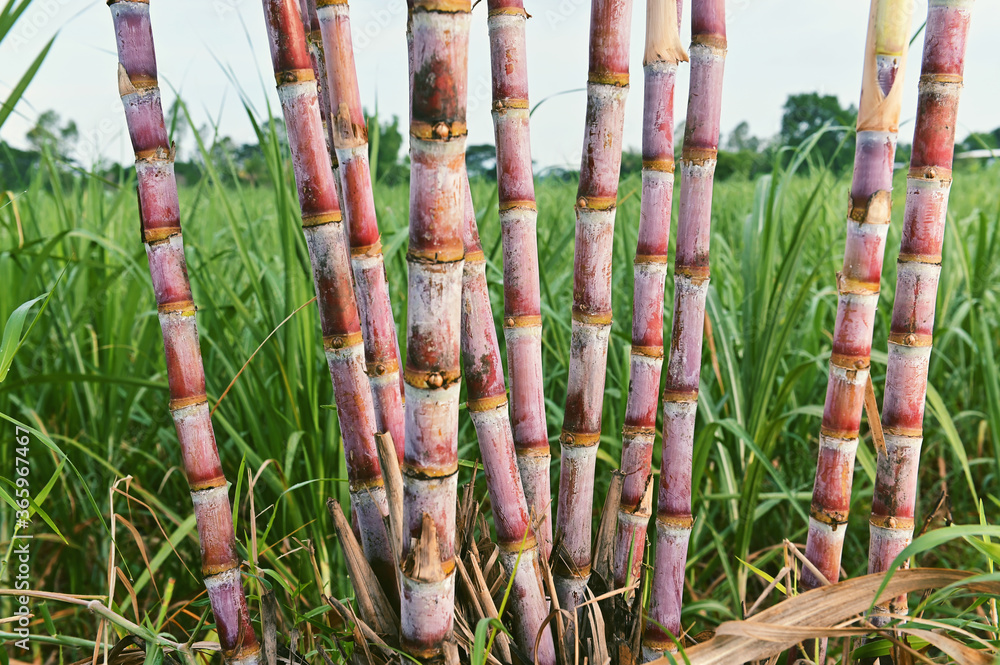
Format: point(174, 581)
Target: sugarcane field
point(326, 340)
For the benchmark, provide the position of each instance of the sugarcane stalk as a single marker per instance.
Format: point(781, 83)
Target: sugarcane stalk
point(159, 216)
point(597, 196)
point(349, 129)
point(858, 284)
point(487, 404)
point(310, 21)
point(663, 54)
point(691, 279)
point(918, 268)
point(522, 322)
point(438, 93)
point(339, 319)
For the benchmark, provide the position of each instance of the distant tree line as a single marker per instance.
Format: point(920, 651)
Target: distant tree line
point(741, 154)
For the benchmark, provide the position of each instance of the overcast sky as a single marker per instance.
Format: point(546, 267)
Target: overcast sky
point(776, 48)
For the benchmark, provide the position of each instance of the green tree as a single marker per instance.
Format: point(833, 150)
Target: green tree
point(807, 113)
point(49, 133)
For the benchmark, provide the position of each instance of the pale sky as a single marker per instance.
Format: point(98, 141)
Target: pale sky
point(776, 48)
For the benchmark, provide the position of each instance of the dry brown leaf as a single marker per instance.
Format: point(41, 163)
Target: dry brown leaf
point(824, 609)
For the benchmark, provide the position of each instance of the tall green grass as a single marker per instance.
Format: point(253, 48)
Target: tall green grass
point(90, 379)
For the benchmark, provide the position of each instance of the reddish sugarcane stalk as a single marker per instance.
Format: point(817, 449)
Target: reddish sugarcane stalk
point(691, 278)
point(341, 326)
point(349, 129)
point(597, 196)
point(159, 215)
point(918, 268)
point(438, 92)
point(858, 284)
point(310, 21)
point(663, 54)
point(518, 226)
point(483, 371)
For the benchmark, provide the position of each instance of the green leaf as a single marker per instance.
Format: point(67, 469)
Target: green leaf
point(12, 338)
point(22, 85)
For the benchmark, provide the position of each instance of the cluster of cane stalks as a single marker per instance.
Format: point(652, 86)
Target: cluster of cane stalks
point(424, 563)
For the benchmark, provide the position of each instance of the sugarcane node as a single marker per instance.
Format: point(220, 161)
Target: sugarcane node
point(579, 439)
point(489, 403)
point(367, 251)
point(319, 219)
point(930, 173)
point(342, 340)
point(452, 254)
point(911, 339)
point(510, 104)
point(930, 259)
point(636, 430)
point(366, 484)
point(616, 79)
point(209, 572)
point(475, 256)
point(207, 484)
point(129, 2)
point(655, 352)
point(941, 78)
point(418, 472)
point(891, 522)
point(716, 42)
point(156, 236)
point(245, 654)
point(329, 3)
point(521, 546)
point(680, 396)
point(443, 6)
point(507, 11)
point(524, 321)
point(179, 403)
point(431, 379)
point(582, 314)
point(290, 76)
point(698, 274)
point(848, 285)
point(914, 433)
point(674, 521)
point(533, 451)
point(176, 307)
point(699, 156)
point(651, 259)
point(832, 518)
point(506, 206)
point(662, 165)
